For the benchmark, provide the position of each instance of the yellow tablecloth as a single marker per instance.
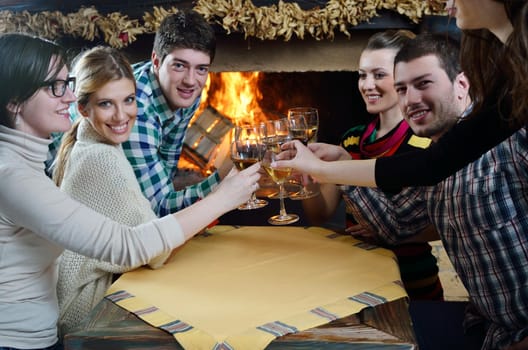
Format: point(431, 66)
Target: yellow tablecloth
point(240, 288)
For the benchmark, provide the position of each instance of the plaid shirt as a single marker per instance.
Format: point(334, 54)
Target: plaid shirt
point(54, 146)
point(155, 146)
point(53, 149)
point(481, 213)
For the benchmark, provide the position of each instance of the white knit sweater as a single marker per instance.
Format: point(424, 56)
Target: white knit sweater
point(37, 221)
point(98, 175)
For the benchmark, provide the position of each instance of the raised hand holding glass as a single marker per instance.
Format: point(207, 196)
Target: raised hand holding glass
point(246, 150)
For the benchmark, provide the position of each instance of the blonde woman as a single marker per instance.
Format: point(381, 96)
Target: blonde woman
point(91, 168)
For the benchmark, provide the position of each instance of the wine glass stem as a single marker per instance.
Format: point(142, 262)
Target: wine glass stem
point(282, 191)
point(281, 198)
point(251, 202)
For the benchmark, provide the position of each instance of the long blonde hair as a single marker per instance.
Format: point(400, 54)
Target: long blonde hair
point(92, 69)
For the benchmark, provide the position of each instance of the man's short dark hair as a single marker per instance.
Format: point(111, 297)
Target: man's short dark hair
point(441, 45)
point(186, 29)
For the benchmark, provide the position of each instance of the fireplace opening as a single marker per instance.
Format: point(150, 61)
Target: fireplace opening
point(233, 98)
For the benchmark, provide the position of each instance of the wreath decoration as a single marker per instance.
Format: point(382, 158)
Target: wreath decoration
point(284, 20)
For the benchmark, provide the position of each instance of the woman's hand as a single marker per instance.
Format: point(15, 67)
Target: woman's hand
point(347, 172)
point(299, 157)
point(237, 187)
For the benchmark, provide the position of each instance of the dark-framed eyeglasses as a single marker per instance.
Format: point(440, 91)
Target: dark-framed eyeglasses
point(58, 86)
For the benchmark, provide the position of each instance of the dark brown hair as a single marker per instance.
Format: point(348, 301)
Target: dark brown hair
point(440, 45)
point(389, 39)
point(186, 29)
point(24, 68)
point(497, 71)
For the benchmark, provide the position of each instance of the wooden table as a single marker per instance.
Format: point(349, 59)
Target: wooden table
point(387, 326)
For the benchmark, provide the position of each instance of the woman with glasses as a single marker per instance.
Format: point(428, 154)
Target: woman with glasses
point(38, 221)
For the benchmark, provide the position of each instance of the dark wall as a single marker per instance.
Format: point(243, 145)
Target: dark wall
point(335, 94)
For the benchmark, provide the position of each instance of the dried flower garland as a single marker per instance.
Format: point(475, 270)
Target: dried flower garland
point(286, 20)
point(281, 21)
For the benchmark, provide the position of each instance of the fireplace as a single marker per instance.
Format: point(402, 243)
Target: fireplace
point(257, 96)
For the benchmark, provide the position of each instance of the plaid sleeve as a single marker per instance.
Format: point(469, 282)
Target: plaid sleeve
point(154, 158)
point(393, 217)
point(173, 134)
point(53, 148)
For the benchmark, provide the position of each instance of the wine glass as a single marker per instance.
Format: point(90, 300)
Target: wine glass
point(278, 175)
point(246, 150)
point(298, 127)
point(271, 132)
point(304, 123)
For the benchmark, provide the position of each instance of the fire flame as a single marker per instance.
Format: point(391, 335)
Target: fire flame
point(235, 95)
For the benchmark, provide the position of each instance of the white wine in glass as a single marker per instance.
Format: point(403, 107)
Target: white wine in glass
point(278, 175)
point(273, 133)
point(304, 123)
point(247, 150)
point(298, 128)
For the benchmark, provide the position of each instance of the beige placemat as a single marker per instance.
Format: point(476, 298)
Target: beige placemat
point(240, 288)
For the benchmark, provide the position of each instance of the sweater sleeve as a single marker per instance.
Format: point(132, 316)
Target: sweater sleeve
point(101, 177)
point(52, 214)
point(461, 145)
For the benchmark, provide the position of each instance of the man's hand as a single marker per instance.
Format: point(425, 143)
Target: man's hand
point(363, 234)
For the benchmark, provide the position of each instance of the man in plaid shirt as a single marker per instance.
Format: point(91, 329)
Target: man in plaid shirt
point(169, 87)
point(480, 214)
